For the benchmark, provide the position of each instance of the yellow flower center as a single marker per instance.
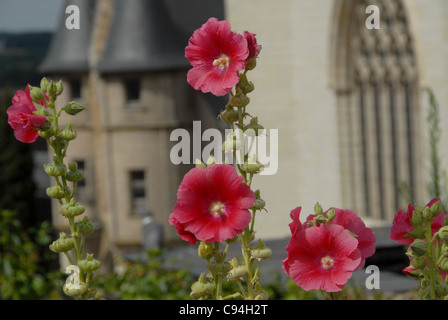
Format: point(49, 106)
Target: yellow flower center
point(222, 62)
point(327, 262)
point(217, 209)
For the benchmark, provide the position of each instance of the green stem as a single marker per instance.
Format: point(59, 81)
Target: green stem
point(431, 270)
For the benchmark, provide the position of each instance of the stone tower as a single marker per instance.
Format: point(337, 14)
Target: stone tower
point(126, 64)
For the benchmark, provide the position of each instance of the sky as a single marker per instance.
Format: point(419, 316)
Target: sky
point(29, 15)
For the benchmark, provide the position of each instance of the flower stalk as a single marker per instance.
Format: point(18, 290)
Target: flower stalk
point(64, 190)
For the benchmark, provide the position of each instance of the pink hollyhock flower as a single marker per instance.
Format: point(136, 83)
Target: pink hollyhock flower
point(253, 46)
point(212, 204)
point(322, 257)
point(402, 224)
point(187, 236)
point(22, 119)
point(295, 226)
point(352, 222)
point(217, 55)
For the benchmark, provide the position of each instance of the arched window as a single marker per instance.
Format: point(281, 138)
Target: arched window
point(376, 83)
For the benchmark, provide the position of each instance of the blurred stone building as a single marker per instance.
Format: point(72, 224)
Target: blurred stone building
point(347, 102)
point(126, 64)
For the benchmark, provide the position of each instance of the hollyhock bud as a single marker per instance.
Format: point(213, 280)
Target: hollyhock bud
point(68, 133)
point(55, 192)
point(201, 288)
point(232, 143)
point(84, 226)
point(75, 290)
point(229, 116)
point(59, 88)
point(74, 176)
point(252, 165)
point(44, 84)
point(72, 209)
point(427, 214)
point(55, 169)
point(443, 233)
point(419, 247)
point(51, 89)
point(237, 272)
point(261, 252)
point(222, 268)
point(419, 262)
point(240, 101)
point(417, 218)
point(89, 264)
point(63, 244)
point(73, 108)
point(436, 209)
point(37, 94)
point(253, 127)
point(205, 250)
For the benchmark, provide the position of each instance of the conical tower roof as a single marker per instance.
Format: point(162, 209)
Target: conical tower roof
point(143, 38)
point(69, 48)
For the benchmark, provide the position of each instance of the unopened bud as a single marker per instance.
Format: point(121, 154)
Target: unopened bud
point(84, 226)
point(211, 160)
point(75, 290)
point(419, 262)
point(237, 271)
point(427, 214)
point(55, 192)
point(89, 264)
point(229, 116)
point(68, 133)
point(44, 84)
point(205, 250)
point(63, 244)
point(436, 209)
point(222, 268)
point(252, 165)
point(331, 214)
point(55, 169)
point(51, 89)
point(201, 288)
point(261, 252)
point(59, 88)
point(72, 209)
point(251, 63)
point(36, 94)
point(417, 218)
point(73, 108)
point(318, 209)
point(199, 163)
point(419, 247)
point(240, 101)
point(443, 233)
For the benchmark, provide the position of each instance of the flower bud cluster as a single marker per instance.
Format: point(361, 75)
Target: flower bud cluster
point(427, 236)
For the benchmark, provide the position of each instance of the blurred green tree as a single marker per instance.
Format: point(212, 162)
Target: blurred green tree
point(16, 168)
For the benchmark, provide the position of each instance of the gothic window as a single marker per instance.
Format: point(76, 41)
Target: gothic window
point(378, 112)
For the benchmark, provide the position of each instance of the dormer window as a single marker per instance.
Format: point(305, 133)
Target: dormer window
point(133, 88)
point(75, 87)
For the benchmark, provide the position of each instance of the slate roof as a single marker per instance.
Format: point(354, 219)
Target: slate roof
point(145, 36)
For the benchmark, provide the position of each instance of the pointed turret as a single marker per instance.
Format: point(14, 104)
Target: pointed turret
point(69, 48)
point(143, 38)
